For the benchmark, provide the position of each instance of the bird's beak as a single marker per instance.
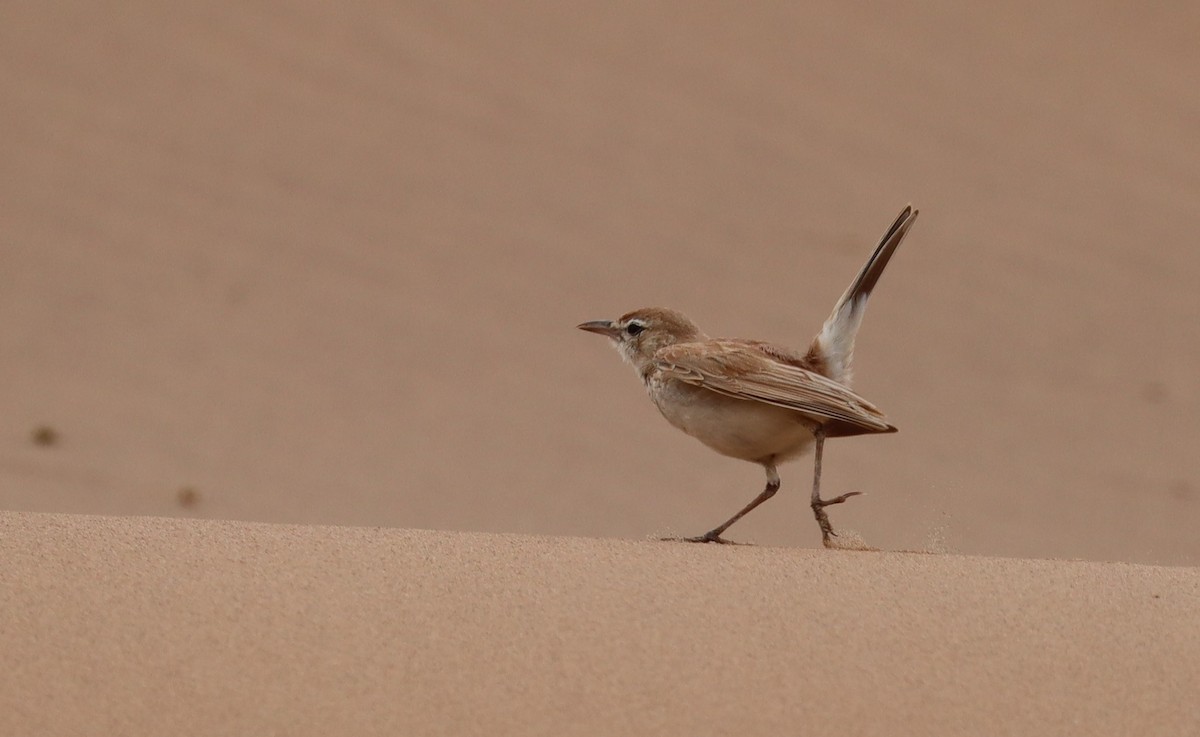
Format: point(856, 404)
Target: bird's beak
point(601, 327)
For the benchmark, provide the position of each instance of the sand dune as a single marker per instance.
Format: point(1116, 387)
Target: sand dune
point(153, 626)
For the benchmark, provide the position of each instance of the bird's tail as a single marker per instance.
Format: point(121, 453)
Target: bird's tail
point(833, 348)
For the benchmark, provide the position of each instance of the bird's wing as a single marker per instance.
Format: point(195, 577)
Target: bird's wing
point(744, 370)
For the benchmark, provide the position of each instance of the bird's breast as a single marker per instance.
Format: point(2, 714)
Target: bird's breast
point(744, 429)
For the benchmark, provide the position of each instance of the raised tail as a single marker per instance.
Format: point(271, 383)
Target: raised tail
point(833, 348)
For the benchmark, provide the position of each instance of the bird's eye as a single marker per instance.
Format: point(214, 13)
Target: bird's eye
point(634, 328)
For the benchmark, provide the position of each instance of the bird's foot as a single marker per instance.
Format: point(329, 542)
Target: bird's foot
point(818, 508)
point(821, 503)
point(712, 536)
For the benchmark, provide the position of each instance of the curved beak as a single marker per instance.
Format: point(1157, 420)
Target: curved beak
point(600, 327)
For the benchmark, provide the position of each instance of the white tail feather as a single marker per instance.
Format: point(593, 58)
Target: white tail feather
point(834, 345)
point(836, 339)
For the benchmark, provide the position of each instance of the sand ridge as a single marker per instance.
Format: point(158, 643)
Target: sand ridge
point(142, 625)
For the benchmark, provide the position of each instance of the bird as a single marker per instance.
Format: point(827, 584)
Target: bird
point(753, 400)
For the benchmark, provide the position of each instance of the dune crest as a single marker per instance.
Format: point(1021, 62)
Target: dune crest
point(138, 625)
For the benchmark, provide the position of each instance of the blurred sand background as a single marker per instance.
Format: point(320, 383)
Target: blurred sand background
point(321, 264)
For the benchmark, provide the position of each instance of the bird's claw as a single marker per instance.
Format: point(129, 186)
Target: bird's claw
point(820, 503)
point(709, 537)
point(818, 508)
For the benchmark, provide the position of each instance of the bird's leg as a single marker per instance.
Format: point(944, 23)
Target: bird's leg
point(819, 504)
point(714, 535)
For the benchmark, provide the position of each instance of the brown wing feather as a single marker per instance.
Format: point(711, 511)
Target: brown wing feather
point(759, 372)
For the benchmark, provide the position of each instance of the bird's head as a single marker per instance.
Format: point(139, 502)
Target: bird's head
point(638, 335)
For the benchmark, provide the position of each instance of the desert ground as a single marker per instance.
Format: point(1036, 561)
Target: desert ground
point(299, 434)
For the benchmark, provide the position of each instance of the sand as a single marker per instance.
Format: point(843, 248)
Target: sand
point(157, 626)
point(319, 266)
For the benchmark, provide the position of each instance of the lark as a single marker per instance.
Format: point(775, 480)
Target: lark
point(758, 402)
